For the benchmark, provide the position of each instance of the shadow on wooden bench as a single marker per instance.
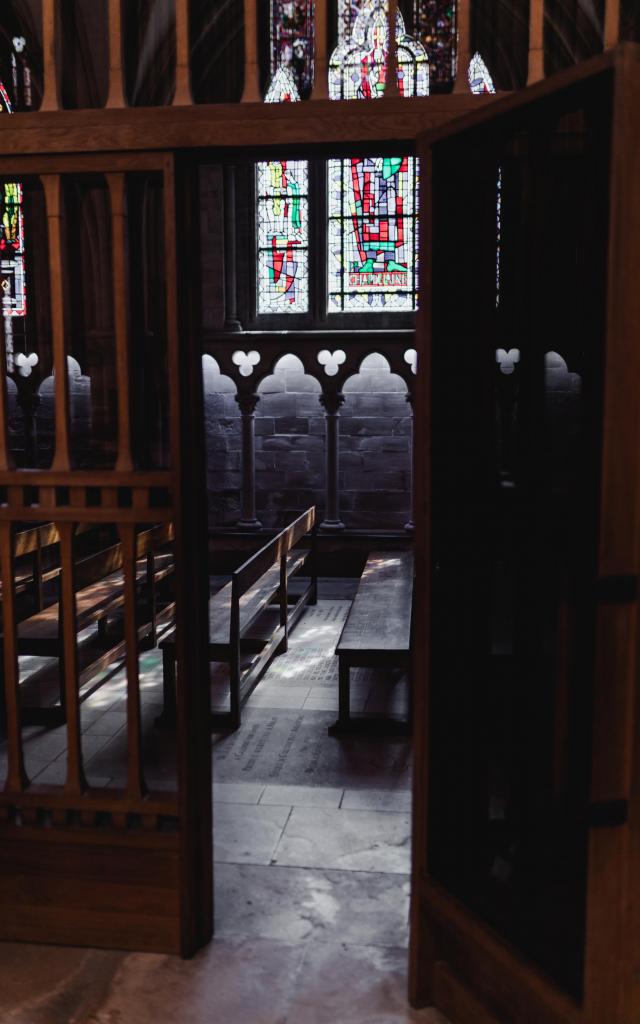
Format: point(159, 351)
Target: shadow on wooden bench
point(243, 618)
point(99, 585)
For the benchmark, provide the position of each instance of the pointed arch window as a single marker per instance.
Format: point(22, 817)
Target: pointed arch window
point(480, 80)
point(358, 65)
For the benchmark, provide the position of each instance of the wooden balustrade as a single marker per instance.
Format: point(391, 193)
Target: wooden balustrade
point(116, 98)
point(63, 825)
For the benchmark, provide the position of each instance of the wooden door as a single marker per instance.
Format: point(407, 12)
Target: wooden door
point(126, 864)
point(525, 866)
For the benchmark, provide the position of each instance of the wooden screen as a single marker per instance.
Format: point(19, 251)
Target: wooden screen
point(126, 864)
point(525, 805)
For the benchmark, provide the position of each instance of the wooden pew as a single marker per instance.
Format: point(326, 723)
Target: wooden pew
point(376, 634)
point(243, 619)
point(99, 596)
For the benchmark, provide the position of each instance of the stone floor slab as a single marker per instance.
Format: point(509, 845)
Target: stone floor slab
point(302, 796)
point(246, 834)
point(355, 985)
point(346, 840)
point(302, 904)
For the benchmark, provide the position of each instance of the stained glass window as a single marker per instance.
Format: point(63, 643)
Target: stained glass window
point(479, 78)
point(435, 27)
point(373, 238)
point(292, 41)
point(283, 88)
point(358, 65)
point(283, 236)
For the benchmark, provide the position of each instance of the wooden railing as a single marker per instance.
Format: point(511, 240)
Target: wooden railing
point(62, 495)
point(134, 822)
point(116, 98)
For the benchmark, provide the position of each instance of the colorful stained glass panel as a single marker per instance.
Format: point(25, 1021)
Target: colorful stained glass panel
point(372, 240)
point(435, 27)
point(283, 236)
point(292, 41)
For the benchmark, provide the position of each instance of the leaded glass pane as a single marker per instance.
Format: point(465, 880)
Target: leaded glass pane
point(372, 264)
point(283, 236)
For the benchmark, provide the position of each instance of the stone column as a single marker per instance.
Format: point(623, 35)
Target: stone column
point(409, 526)
point(247, 402)
point(231, 322)
point(331, 401)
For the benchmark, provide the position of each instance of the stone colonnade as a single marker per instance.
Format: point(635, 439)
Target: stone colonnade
point(333, 370)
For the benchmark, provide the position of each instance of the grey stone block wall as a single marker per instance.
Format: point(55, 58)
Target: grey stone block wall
point(224, 445)
point(375, 449)
point(289, 454)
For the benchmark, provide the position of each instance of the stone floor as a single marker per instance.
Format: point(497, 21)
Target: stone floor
point(311, 851)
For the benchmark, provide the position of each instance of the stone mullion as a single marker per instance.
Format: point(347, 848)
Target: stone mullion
point(247, 402)
point(331, 402)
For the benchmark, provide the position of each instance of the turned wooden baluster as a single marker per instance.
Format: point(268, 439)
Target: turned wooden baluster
point(320, 64)
point(135, 777)
point(536, 41)
point(182, 96)
point(16, 779)
point(75, 783)
point(251, 92)
point(53, 197)
point(611, 24)
point(116, 97)
point(50, 77)
point(463, 50)
point(391, 86)
point(117, 193)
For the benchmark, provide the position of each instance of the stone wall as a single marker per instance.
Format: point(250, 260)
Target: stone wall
point(375, 449)
point(224, 445)
point(289, 444)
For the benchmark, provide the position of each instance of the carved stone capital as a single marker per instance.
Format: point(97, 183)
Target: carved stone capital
point(331, 401)
point(247, 402)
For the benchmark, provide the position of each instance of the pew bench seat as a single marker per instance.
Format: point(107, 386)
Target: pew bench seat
point(376, 634)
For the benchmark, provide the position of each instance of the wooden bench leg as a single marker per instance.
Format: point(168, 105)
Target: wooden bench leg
point(234, 695)
point(169, 702)
point(344, 700)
